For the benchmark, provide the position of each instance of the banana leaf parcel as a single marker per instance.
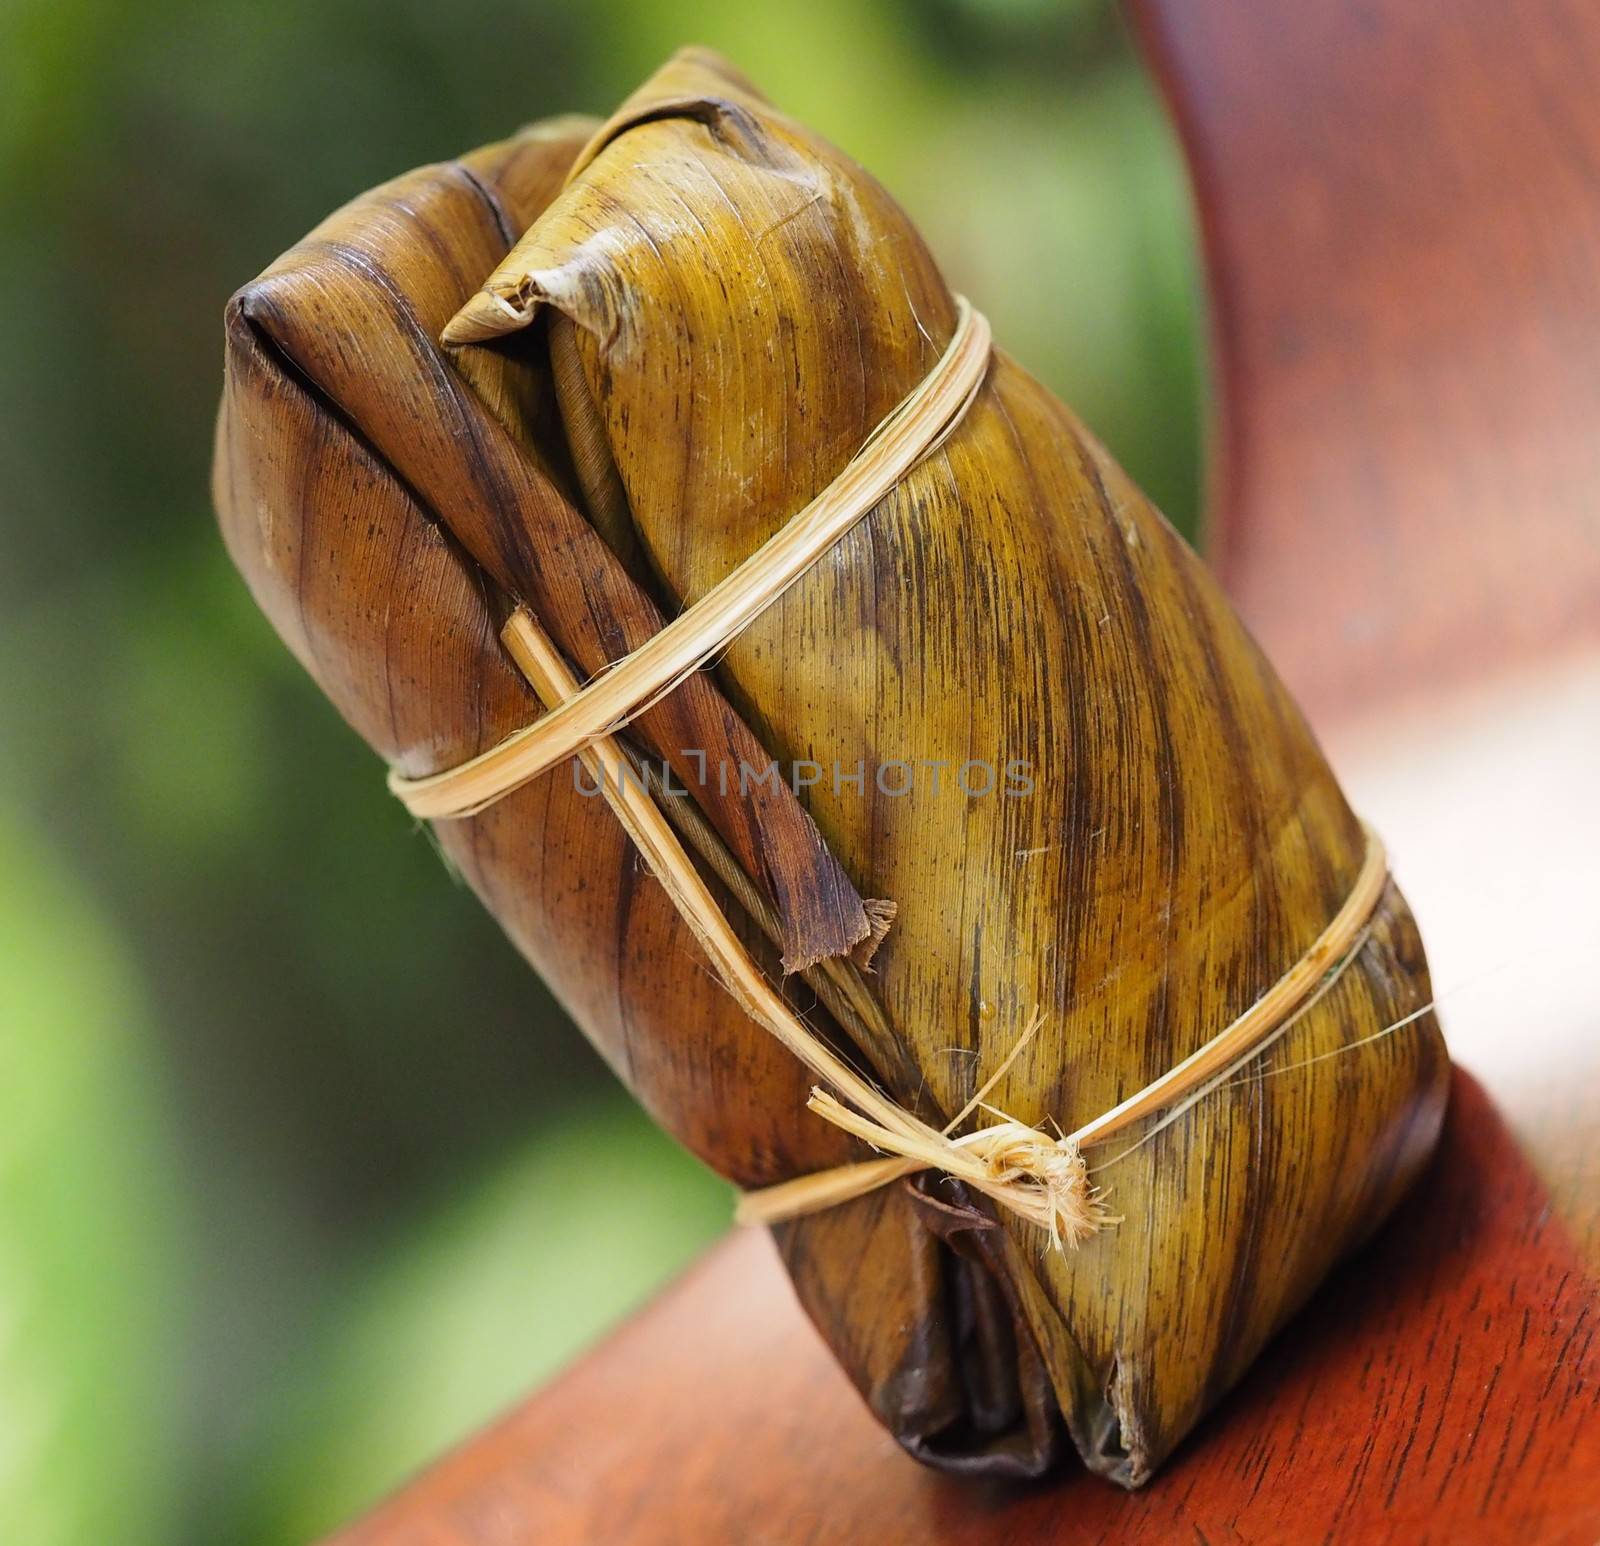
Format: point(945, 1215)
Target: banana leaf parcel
point(998, 795)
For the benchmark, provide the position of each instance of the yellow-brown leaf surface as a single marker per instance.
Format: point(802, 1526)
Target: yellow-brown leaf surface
point(669, 333)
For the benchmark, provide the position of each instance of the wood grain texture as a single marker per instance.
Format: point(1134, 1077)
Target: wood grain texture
point(1401, 222)
point(1421, 460)
point(1433, 1393)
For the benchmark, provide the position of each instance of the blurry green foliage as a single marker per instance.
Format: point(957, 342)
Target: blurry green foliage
point(90, 1249)
point(356, 1060)
point(492, 1293)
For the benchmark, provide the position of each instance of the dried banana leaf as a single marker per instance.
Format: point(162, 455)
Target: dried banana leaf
point(1025, 714)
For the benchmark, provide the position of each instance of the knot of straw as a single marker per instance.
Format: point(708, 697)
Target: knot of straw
point(1026, 1172)
point(1040, 1178)
point(1046, 1180)
point(1055, 1179)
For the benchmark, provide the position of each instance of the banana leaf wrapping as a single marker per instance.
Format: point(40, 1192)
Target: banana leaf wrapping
point(667, 333)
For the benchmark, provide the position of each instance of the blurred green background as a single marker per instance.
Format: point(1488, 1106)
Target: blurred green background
point(289, 1183)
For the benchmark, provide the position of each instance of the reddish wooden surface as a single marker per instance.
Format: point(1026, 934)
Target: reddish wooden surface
point(1402, 215)
point(748, 1435)
point(1401, 206)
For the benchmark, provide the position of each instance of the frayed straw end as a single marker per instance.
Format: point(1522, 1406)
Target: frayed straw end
point(1077, 1209)
point(1045, 1180)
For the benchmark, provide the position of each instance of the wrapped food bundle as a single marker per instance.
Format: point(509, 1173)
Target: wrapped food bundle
point(1013, 945)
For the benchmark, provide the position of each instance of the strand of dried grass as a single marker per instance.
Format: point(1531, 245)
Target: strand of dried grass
point(1058, 1163)
point(838, 981)
point(912, 432)
point(1060, 1203)
point(1041, 1179)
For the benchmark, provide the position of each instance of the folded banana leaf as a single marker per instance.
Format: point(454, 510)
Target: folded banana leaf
point(588, 371)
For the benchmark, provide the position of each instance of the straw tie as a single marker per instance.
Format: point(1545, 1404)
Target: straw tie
point(1037, 1177)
